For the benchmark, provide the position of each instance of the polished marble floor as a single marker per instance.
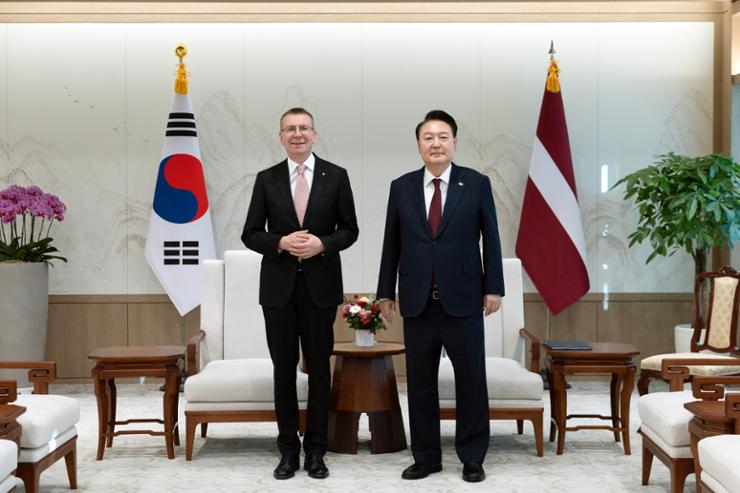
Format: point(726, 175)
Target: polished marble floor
point(240, 458)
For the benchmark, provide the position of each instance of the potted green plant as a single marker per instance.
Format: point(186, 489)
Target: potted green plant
point(685, 203)
point(26, 250)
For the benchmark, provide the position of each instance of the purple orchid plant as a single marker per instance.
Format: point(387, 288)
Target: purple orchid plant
point(26, 217)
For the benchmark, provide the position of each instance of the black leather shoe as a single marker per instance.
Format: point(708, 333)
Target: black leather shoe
point(315, 466)
point(419, 470)
point(473, 472)
point(287, 467)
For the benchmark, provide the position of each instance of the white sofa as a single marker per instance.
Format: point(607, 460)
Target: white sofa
point(8, 464)
point(514, 385)
point(231, 373)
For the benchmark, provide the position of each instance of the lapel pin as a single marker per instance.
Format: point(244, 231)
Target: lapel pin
point(323, 173)
point(460, 183)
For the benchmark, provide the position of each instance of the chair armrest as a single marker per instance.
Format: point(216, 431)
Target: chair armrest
point(192, 352)
point(533, 364)
point(676, 370)
point(40, 373)
point(7, 391)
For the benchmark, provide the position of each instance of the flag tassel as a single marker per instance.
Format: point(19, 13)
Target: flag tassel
point(553, 77)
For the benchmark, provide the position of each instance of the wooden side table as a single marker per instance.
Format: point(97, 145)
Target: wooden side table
point(365, 382)
point(136, 361)
point(603, 357)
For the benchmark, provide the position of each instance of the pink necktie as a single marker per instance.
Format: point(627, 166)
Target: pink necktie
point(301, 193)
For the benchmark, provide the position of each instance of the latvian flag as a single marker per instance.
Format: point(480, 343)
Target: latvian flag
point(180, 232)
point(550, 241)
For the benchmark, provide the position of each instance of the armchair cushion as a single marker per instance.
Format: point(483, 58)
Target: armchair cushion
point(718, 457)
point(46, 417)
point(655, 362)
point(663, 413)
point(507, 379)
point(238, 380)
point(8, 463)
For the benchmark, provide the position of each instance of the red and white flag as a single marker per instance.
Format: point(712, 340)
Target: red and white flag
point(550, 242)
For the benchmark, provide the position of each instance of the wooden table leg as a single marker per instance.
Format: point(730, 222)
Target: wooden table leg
point(553, 404)
point(176, 408)
point(628, 383)
point(102, 399)
point(170, 387)
point(387, 432)
point(112, 397)
point(343, 427)
point(562, 408)
point(614, 394)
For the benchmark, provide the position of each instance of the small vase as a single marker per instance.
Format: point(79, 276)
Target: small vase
point(364, 338)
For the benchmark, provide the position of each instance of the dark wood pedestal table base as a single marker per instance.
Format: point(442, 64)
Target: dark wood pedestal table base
point(136, 361)
point(603, 357)
point(365, 382)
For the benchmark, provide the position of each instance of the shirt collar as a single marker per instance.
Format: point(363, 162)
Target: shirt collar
point(445, 177)
point(310, 163)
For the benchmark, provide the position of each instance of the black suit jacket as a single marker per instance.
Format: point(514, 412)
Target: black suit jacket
point(330, 215)
point(412, 253)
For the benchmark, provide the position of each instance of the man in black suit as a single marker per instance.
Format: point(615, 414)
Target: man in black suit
point(444, 289)
point(301, 216)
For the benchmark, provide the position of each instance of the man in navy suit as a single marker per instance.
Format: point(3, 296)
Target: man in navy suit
point(436, 218)
point(301, 216)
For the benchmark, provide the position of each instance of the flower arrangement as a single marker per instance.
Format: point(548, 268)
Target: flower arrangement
point(26, 216)
point(363, 314)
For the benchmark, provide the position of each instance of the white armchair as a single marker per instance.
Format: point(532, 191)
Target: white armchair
point(665, 421)
point(48, 425)
point(231, 373)
point(514, 385)
point(8, 463)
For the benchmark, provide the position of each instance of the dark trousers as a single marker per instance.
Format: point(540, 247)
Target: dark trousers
point(462, 338)
point(301, 322)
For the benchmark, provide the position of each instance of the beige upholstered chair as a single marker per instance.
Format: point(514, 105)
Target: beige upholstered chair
point(48, 425)
point(228, 360)
point(716, 300)
point(514, 384)
point(665, 421)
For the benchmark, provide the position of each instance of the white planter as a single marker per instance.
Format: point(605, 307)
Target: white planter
point(364, 338)
point(682, 337)
point(24, 311)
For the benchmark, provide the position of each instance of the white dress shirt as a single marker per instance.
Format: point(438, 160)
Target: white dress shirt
point(308, 173)
point(429, 186)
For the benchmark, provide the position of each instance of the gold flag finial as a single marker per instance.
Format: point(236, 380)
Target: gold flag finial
point(181, 81)
point(553, 72)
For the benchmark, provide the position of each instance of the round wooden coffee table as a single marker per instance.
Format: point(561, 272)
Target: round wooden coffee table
point(136, 361)
point(365, 382)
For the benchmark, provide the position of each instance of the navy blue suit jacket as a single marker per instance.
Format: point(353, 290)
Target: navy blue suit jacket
point(411, 253)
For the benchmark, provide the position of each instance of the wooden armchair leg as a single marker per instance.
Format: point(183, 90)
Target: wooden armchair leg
point(538, 436)
point(302, 422)
point(70, 460)
point(190, 424)
point(30, 476)
point(680, 469)
point(520, 426)
point(203, 430)
point(647, 463)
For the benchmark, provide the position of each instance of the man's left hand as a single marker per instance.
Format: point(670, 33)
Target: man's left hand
point(491, 303)
point(310, 247)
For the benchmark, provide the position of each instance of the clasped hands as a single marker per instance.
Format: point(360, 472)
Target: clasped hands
point(301, 244)
point(491, 304)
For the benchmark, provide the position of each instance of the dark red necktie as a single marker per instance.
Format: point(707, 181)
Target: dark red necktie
point(435, 208)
